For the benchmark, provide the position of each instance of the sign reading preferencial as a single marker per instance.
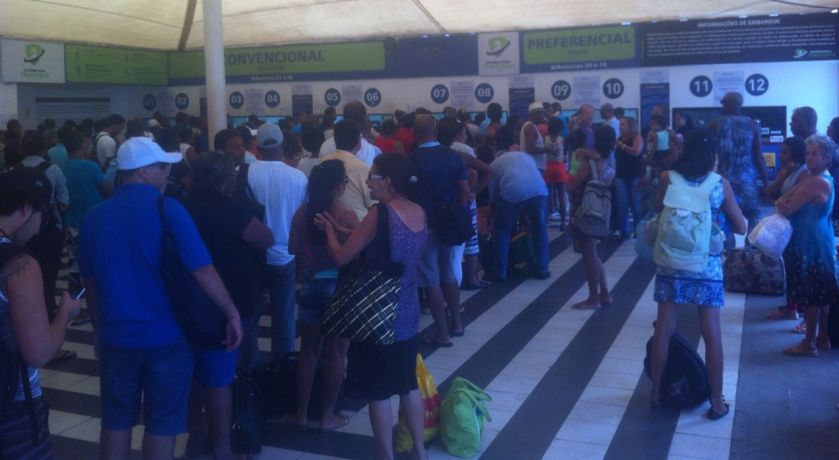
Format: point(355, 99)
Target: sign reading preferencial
point(25, 61)
point(579, 49)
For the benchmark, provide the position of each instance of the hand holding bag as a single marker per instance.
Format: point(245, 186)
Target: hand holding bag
point(363, 308)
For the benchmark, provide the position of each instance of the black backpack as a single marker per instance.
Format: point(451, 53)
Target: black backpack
point(684, 383)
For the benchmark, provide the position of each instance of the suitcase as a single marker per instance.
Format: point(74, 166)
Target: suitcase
point(750, 271)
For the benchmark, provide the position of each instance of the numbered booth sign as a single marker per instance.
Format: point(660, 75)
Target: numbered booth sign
point(332, 97)
point(149, 102)
point(757, 84)
point(272, 99)
point(484, 93)
point(181, 101)
point(372, 97)
point(561, 90)
point(236, 100)
point(701, 86)
point(613, 88)
point(440, 94)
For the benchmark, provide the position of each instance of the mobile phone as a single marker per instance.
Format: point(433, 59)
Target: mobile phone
point(79, 294)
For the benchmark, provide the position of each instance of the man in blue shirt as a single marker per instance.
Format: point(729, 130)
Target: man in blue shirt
point(144, 355)
point(442, 179)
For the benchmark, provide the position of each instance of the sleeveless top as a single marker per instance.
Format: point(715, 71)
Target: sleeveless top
point(541, 158)
point(734, 138)
point(7, 335)
point(406, 246)
point(663, 140)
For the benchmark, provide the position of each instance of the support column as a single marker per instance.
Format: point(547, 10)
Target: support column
point(214, 66)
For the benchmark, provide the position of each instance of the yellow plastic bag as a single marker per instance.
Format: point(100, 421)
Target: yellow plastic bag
point(431, 403)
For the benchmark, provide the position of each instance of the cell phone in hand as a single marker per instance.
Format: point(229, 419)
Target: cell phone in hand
point(79, 294)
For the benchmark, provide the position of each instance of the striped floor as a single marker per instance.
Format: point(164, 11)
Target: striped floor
point(565, 384)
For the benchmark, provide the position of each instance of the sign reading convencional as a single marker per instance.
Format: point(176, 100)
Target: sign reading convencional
point(284, 63)
point(579, 49)
point(98, 64)
point(759, 39)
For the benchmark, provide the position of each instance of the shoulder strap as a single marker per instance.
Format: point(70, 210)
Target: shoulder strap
point(383, 231)
point(676, 178)
point(595, 172)
point(710, 182)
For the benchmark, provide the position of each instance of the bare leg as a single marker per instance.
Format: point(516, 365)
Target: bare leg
point(811, 317)
point(451, 292)
point(381, 421)
point(311, 343)
point(115, 445)
point(552, 198)
point(590, 258)
point(435, 303)
point(470, 263)
point(157, 447)
point(411, 405)
point(563, 204)
point(196, 421)
point(709, 322)
point(823, 335)
point(219, 414)
point(605, 297)
point(336, 362)
point(665, 325)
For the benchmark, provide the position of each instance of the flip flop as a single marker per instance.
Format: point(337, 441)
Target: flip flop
point(799, 351)
point(434, 343)
point(288, 420)
point(714, 415)
point(63, 355)
point(344, 421)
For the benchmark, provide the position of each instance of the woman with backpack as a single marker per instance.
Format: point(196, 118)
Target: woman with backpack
point(28, 339)
point(675, 287)
point(604, 145)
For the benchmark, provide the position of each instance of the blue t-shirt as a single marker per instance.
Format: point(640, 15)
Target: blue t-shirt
point(58, 155)
point(84, 179)
point(439, 169)
point(120, 248)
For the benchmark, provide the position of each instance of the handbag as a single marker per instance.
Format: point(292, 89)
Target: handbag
point(750, 271)
point(203, 323)
point(454, 223)
point(771, 235)
point(245, 432)
point(431, 402)
point(363, 308)
point(595, 211)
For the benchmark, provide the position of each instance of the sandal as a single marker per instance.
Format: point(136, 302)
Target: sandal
point(343, 421)
point(801, 350)
point(714, 415)
point(783, 313)
point(429, 340)
point(63, 355)
point(800, 329)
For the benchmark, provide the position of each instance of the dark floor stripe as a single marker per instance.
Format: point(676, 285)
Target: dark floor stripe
point(531, 430)
point(75, 449)
point(644, 433)
point(72, 402)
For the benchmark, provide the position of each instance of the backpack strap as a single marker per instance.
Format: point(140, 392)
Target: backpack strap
point(595, 173)
point(707, 186)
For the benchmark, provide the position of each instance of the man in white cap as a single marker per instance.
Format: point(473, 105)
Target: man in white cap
point(281, 189)
point(143, 353)
point(531, 140)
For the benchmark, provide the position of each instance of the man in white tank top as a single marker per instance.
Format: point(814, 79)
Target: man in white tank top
point(531, 140)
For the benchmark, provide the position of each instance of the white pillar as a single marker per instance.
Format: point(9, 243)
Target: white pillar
point(214, 66)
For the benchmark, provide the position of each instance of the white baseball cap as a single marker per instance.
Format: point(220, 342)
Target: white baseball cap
point(535, 106)
point(142, 151)
point(269, 136)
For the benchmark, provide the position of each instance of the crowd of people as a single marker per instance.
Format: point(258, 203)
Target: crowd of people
point(290, 209)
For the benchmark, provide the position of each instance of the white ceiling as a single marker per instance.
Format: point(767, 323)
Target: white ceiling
point(159, 24)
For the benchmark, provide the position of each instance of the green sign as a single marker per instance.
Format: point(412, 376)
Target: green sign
point(284, 60)
point(579, 45)
point(96, 64)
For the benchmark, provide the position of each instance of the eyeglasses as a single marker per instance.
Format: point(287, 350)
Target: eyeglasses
point(345, 180)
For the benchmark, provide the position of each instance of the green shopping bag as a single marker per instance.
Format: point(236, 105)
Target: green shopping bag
point(462, 418)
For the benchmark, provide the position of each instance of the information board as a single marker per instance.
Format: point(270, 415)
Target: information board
point(99, 64)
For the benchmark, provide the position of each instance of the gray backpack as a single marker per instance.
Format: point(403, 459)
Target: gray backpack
point(593, 215)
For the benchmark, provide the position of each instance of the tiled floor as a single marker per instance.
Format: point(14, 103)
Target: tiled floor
point(565, 384)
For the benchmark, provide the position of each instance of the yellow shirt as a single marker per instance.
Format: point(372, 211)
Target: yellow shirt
point(356, 198)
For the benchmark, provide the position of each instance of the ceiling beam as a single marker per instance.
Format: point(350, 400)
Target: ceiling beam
point(188, 19)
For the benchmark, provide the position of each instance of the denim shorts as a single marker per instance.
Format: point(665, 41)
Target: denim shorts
point(438, 263)
point(215, 368)
point(316, 295)
point(159, 378)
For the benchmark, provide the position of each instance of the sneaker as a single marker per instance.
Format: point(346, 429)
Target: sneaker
point(541, 275)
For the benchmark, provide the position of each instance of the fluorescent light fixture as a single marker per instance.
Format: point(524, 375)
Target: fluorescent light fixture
point(773, 15)
point(834, 10)
point(742, 16)
point(683, 20)
point(626, 23)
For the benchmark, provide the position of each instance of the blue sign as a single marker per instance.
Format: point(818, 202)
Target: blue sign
point(272, 98)
point(440, 94)
point(613, 88)
point(757, 84)
point(236, 100)
point(181, 101)
point(332, 97)
point(149, 102)
point(561, 90)
point(372, 97)
point(701, 86)
point(484, 93)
